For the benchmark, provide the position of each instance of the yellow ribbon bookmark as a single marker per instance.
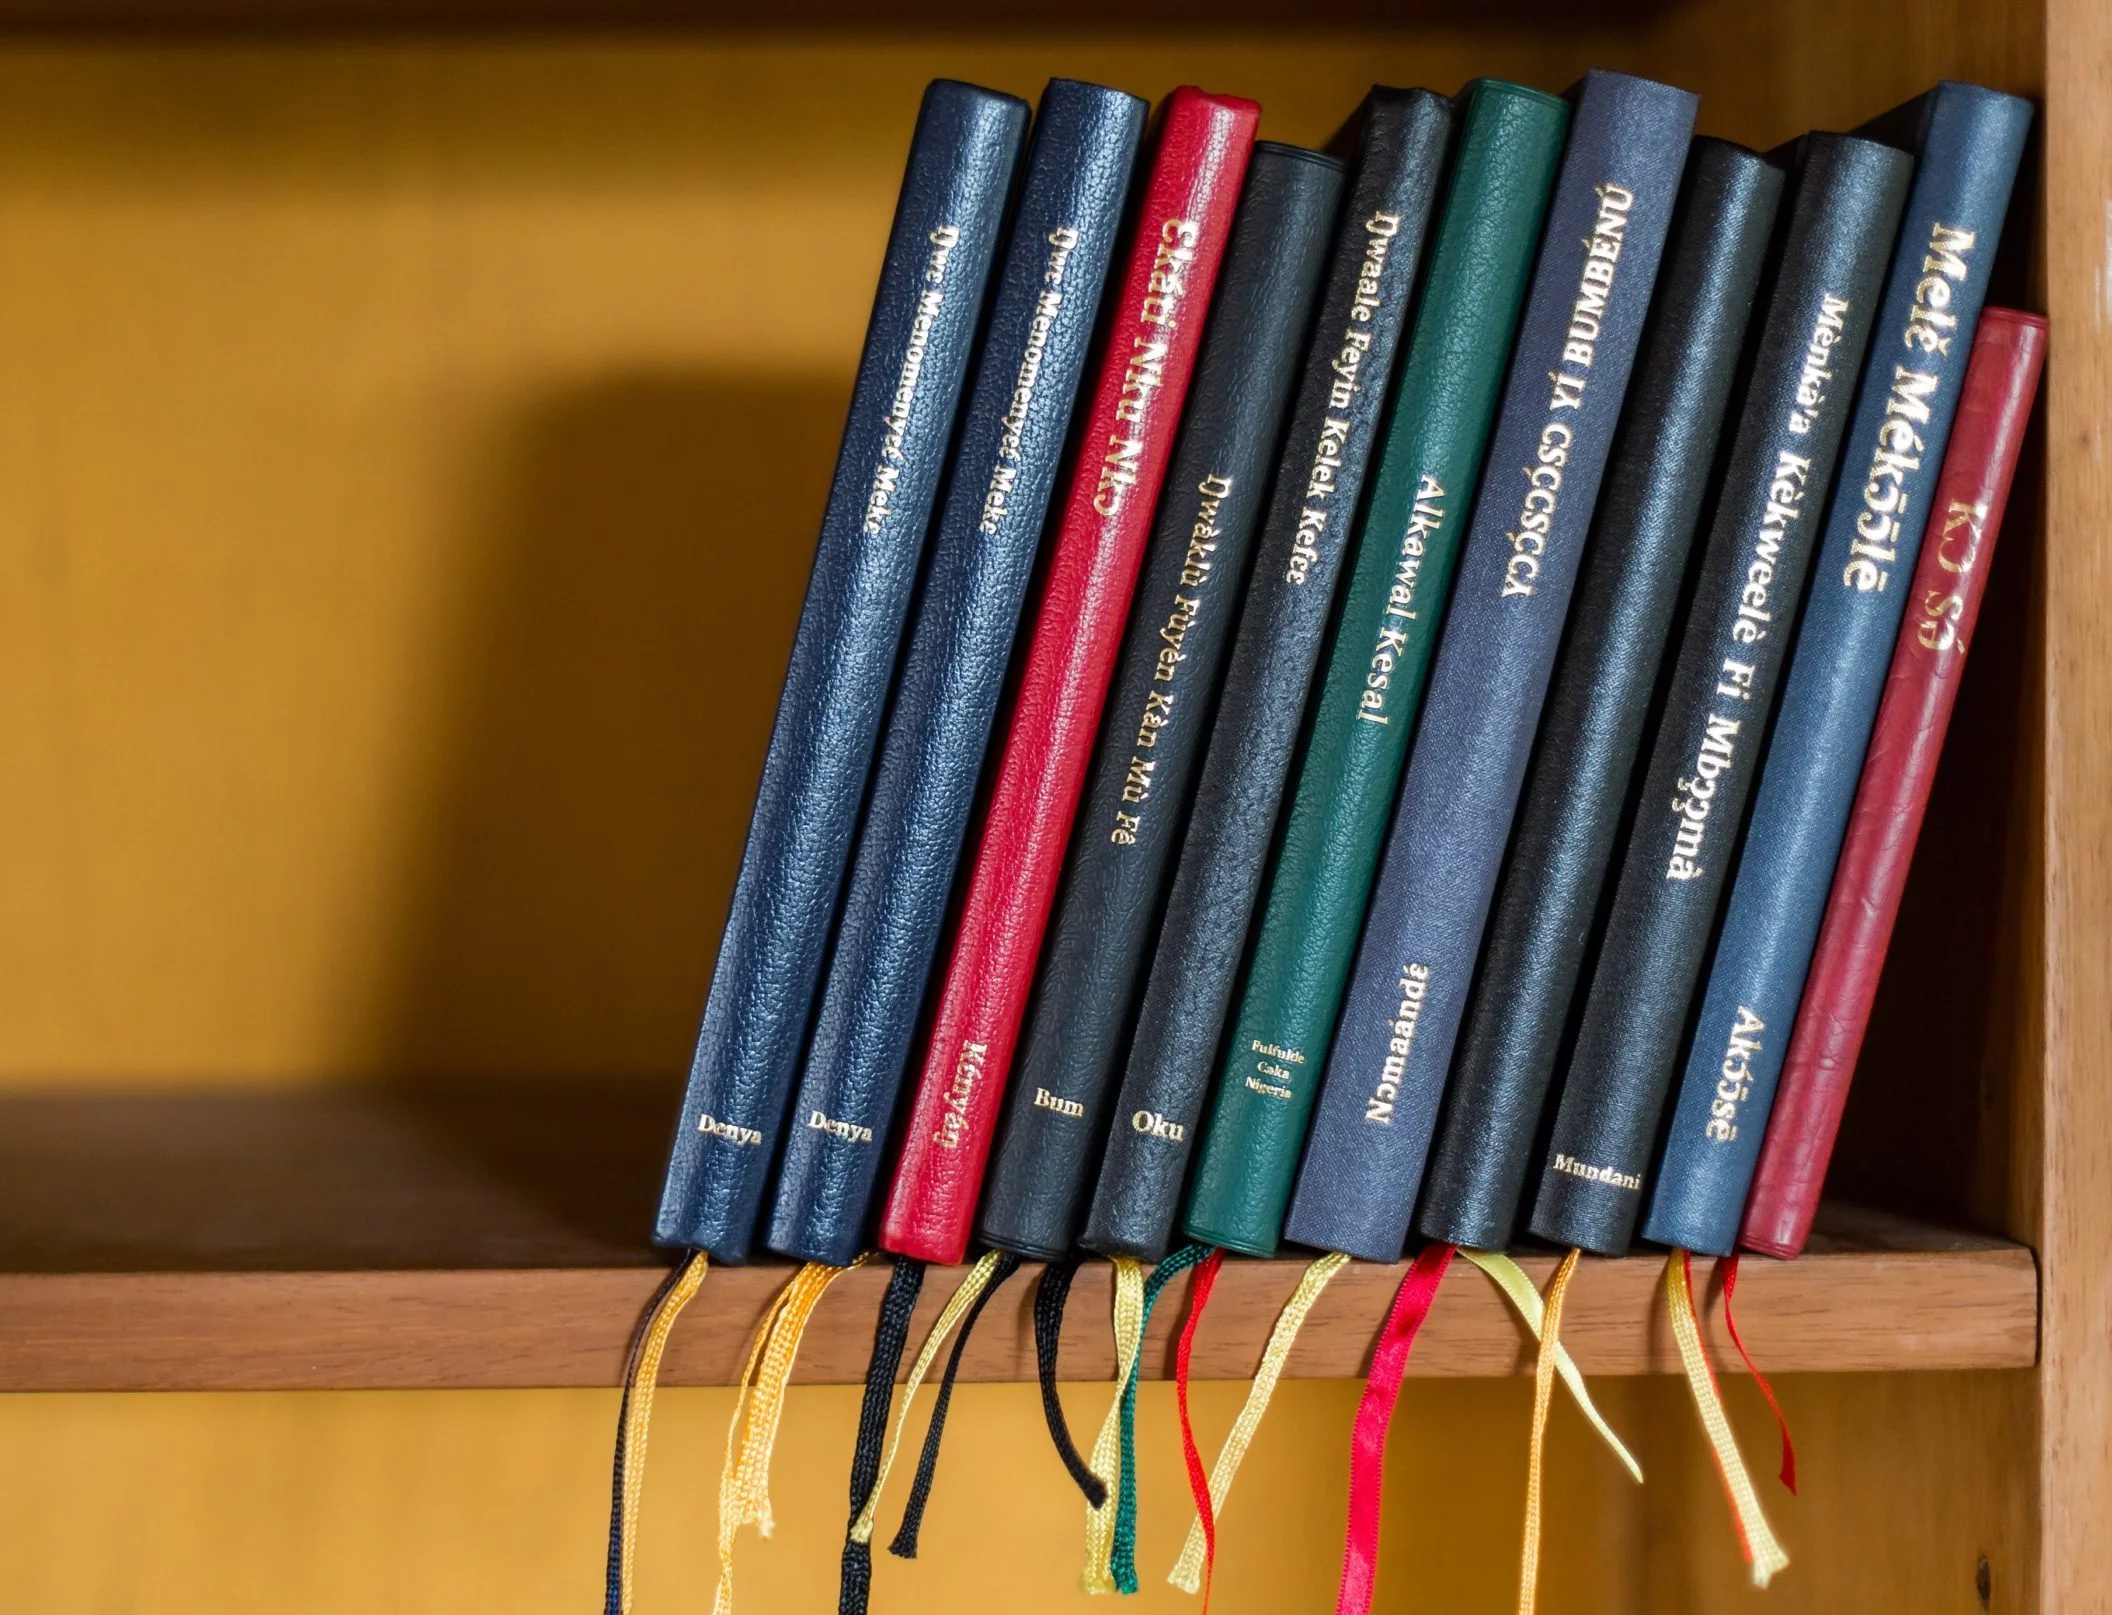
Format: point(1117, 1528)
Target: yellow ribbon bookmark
point(641, 1379)
point(1543, 1395)
point(1762, 1551)
point(1187, 1573)
point(1098, 1576)
point(1510, 1278)
point(956, 1308)
point(744, 1480)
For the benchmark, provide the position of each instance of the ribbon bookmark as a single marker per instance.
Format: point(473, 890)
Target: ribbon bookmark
point(1367, 1442)
point(1098, 1574)
point(1510, 1278)
point(890, 1336)
point(1051, 1295)
point(744, 1481)
point(1198, 1551)
point(957, 1307)
point(1755, 1538)
point(1729, 1268)
point(634, 1418)
point(1122, 1560)
point(1543, 1396)
point(905, 1544)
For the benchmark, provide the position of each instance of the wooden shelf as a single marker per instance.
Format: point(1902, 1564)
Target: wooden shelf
point(486, 1237)
point(150, 17)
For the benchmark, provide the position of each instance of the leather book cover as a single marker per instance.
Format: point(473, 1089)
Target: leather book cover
point(1159, 708)
point(1969, 142)
point(998, 490)
point(1591, 292)
point(1841, 223)
point(1183, 218)
point(1598, 703)
point(903, 407)
point(1965, 519)
point(1395, 144)
point(1429, 461)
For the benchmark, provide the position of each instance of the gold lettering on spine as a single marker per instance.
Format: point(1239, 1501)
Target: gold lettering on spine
point(1345, 382)
point(1566, 384)
point(1144, 374)
point(887, 475)
point(1425, 518)
point(1198, 565)
point(1004, 476)
point(1900, 448)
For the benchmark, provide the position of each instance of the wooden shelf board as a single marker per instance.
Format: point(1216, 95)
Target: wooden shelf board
point(492, 1237)
point(179, 17)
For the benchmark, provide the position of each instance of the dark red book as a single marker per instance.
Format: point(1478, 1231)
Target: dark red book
point(1154, 326)
point(1920, 690)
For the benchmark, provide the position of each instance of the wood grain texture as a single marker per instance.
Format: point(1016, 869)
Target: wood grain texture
point(493, 1235)
point(2074, 1124)
point(1840, 1311)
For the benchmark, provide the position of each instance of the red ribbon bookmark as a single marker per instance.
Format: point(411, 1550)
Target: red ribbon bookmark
point(1198, 1481)
point(1367, 1447)
point(1729, 1268)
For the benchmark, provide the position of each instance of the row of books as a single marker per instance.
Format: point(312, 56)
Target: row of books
point(1466, 564)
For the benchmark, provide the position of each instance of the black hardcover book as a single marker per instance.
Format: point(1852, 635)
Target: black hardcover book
point(1158, 712)
point(1592, 731)
point(1850, 194)
point(1399, 139)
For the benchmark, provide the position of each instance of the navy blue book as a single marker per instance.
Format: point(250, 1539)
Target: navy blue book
point(1969, 141)
point(907, 397)
point(982, 555)
point(1606, 227)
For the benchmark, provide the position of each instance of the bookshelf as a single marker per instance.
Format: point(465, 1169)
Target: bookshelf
point(351, 1241)
point(355, 356)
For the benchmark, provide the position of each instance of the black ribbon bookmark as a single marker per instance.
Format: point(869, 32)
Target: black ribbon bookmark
point(1051, 1296)
point(890, 1336)
point(905, 1544)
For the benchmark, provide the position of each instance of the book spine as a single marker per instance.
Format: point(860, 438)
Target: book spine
point(1820, 314)
point(903, 405)
point(1965, 518)
point(1398, 140)
point(1598, 703)
point(1429, 460)
point(982, 554)
point(1173, 658)
point(1182, 224)
point(1606, 230)
point(1971, 142)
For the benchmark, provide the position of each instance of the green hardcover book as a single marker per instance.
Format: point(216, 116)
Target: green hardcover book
point(1510, 143)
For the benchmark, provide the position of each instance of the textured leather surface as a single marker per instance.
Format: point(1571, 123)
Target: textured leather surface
point(982, 554)
point(1969, 141)
point(1429, 460)
point(1965, 518)
point(961, 162)
point(1842, 219)
point(1606, 231)
point(1157, 320)
point(1158, 713)
point(1396, 142)
point(1597, 705)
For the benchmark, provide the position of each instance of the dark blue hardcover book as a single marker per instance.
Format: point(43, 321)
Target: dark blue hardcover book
point(1969, 141)
point(944, 240)
point(982, 555)
point(1591, 288)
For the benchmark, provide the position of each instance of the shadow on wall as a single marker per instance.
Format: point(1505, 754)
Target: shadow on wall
point(620, 658)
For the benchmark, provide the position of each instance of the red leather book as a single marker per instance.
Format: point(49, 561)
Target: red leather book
point(1153, 325)
point(1920, 689)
